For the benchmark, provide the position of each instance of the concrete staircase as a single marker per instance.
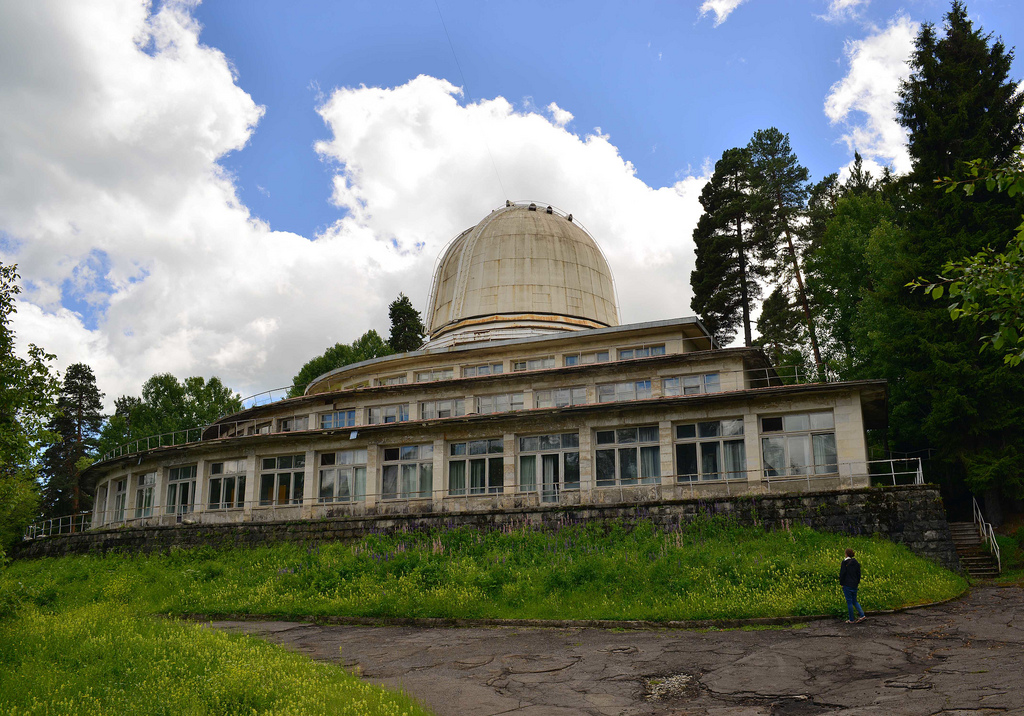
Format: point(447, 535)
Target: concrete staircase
point(969, 546)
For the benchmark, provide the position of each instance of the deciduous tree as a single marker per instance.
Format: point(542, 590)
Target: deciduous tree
point(367, 346)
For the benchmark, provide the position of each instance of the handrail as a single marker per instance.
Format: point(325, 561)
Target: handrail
point(987, 534)
point(849, 474)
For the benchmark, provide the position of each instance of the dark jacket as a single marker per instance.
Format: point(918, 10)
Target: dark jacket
point(849, 573)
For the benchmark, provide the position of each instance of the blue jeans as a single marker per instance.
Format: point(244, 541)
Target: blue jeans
point(851, 601)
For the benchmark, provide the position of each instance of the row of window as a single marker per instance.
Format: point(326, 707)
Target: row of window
point(795, 444)
point(569, 359)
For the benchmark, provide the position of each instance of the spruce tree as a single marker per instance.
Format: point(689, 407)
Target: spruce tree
point(729, 264)
point(780, 328)
point(77, 423)
point(406, 325)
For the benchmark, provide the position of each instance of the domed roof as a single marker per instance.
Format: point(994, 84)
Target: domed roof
point(523, 266)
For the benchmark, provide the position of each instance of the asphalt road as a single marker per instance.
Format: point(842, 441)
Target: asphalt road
point(965, 657)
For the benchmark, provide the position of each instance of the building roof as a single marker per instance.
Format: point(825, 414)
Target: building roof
point(524, 263)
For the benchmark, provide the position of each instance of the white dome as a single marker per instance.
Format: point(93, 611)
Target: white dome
point(522, 267)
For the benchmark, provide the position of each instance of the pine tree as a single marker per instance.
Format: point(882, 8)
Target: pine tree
point(728, 265)
point(78, 424)
point(780, 328)
point(779, 201)
point(406, 325)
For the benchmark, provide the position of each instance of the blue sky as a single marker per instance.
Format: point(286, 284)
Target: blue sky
point(229, 188)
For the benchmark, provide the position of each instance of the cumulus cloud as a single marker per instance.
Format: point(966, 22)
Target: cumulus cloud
point(139, 257)
point(863, 103)
point(842, 10)
point(721, 8)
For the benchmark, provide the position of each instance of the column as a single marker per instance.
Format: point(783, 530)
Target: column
point(251, 486)
point(586, 464)
point(509, 474)
point(310, 488)
point(129, 498)
point(440, 478)
point(667, 441)
point(373, 485)
point(752, 445)
point(199, 496)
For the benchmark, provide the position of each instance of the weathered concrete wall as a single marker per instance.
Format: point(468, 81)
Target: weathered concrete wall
point(910, 515)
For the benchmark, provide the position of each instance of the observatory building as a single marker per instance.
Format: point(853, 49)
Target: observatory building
point(528, 391)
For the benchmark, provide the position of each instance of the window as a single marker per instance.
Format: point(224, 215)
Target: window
point(641, 352)
point(227, 484)
point(120, 491)
point(478, 465)
point(299, 422)
point(389, 414)
point(585, 358)
point(626, 456)
point(408, 472)
point(281, 480)
point(181, 490)
point(560, 397)
point(442, 409)
point(612, 392)
point(338, 419)
point(555, 459)
point(691, 385)
point(802, 444)
point(429, 376)
point(258, 429)
point(486, 404)
point(144, 495)
point(101, 504)
point(472, 371)
point(342, 476)
point(393, 380)
point(534, 364)
point(710, 451)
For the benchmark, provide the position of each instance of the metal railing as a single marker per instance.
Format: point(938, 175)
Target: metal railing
point(987, 534)
point(751, 378)
point(750, 481)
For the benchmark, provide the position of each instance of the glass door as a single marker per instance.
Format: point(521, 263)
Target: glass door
point(549, 477)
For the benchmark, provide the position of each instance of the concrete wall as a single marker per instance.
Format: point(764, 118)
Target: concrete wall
point(910, 515)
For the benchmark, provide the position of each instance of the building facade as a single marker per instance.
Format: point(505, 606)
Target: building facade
point(528, 392)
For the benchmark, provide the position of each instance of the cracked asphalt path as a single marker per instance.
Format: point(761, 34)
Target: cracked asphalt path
point(965, 657)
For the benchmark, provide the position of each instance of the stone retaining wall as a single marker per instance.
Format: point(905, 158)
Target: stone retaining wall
point(911, 515)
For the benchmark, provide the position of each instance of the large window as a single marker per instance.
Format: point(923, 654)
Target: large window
point(472, 371)
point(560, 397)
point(691, 384)
point(641, 352)
point(534, 364)
point(442, 409)
point(634, 390)
point(389, 414)
point(478, 465)
point(181, 490)
point(710, 450)
point(120, 492)
point(144, 494)
point(486, 404)
point(227, 484)
point(626, 456)
point(585, 358)
point(338, 419)
point(551, 462)
point(799, 444)
point(408, 472)
point(342, 476)
point(393, 380)
point(281, 480)
point(429, 376)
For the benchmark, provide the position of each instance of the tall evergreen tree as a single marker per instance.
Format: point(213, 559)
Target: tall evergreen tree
point(77, 423)
point(406, 325)
point(958, 104)
point(729, 259)
point(780, 328)
point(779, 203)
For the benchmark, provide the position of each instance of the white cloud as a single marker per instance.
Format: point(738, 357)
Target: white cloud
point(721, 8)
point(559, 116)
point(112, 121)
point(863, 102)
point(842, 10)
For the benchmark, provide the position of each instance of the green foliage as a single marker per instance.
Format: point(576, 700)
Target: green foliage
point(406, 325)
point(367, 346)
point(709, 569)
point(105, 659)
point(27, 402)
point(77, 423)
point(781, 330)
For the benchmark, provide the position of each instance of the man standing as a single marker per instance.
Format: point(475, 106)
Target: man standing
point(849, 580)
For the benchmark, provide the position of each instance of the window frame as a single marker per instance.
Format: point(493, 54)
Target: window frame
point(618, 450)
point(619, 391)
point(492, 459)
point(652, 350)
point(296, 472)
point(512, 399)
point(422, 461)
point(580, 358)
point(145, 492)
point(573, 391)
point(564, 450)
point(237, 474)
point(791, 436)
point(702, 388)
point(349, 420)
point(175, 481)
point(446, 374)
point(700, 438)
point(401, 409)
point(500, 365)
point(457, 409)
point(396, 379)
point(334, 462)
point(547, 363)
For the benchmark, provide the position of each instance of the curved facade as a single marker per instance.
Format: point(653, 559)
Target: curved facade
point(524, 270)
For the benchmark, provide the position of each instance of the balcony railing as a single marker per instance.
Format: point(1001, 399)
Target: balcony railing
point(751, 481)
